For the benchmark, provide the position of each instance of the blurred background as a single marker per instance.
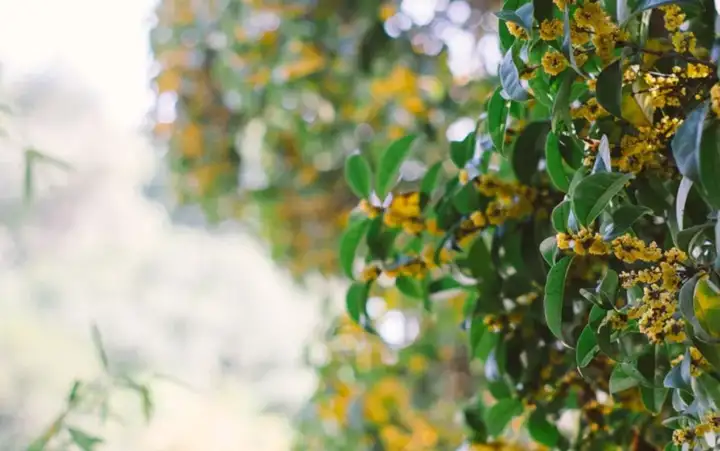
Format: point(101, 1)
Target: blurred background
point(172, 173)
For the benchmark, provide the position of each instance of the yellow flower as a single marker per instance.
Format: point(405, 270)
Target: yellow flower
point(478, 219)
point(591, 84)
point(463, 176)
point(554, 62)
point(674, 17)
point(580, 58)
point(684, 41)
point(604, 44)
point(685, 435)
point(578, 36)
point(516, 30)
point(591, 15)
point(370, 273)
point(698, 71)
point(551, 29)
point(370, 210)
point(715, 97)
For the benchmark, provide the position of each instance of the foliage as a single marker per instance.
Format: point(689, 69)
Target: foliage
point(90, 399)
point(586, 241)
point(315, 81)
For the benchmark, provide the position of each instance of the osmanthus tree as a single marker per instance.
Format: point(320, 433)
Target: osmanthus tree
point(312, 81)
point(580, 225)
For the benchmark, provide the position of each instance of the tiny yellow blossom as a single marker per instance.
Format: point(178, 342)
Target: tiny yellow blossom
point(554, 62)
point(551, 29)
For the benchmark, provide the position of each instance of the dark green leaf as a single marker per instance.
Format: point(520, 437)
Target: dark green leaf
point(510, 79)
point(466, 199)
point(349, 242)
point(561, 107)
point(390, 163)
point(500, 414)
point(83, 440)
point(541, 430)
point(497, 111)
point(430, 180)
point(709, 165)
point(622, 219)
point(409, 286)
point(548, 249)
point(74, 394)
point(686, 142)
point(356, 301)
point(653, 398)
point(358, 175)
point(620, 380)
point(462, 151)
point(676, 379)
point(478, 260)
point(560, 215)
point(443, 284)
point(593, 193)
point(554, 296)
point(609, 89)
point(528, 150)
point(555, 164)
point(586, 348)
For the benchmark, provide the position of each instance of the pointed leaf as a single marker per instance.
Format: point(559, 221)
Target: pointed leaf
point(358, 175)
point(593, 193)
point(349, 242)
point(587, 347)
point(609, 89)
point(622, 219)
point(390, 163)
point(510, 79)
point(555, 296)
point(497, 111)
point(686, 142)
point(709, 165)
point(83, 440)
point(500, 414)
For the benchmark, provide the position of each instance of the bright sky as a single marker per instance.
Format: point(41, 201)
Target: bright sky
point(103, 41)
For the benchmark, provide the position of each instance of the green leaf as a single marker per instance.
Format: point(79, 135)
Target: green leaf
point(653, 398)
point(541, 430)
point(548, 249)
point(622, 219)
point(83, 440)
point(620, 380)
point(497, 112)
point(555, 164)
point(462, 151)
point(443, 284)
point(555, 295)
point(510, 78)
point(679, 375)
point(500, 414)
point(54, 429)
point(358, 175)
point(709, 165)
point(356, 301)
point(522, 16)
point(390, 163)
point(478, 260)
point(528, 150)
point(608, 90)
point(587, 347)
point(602, 161)
point(74, 395)
point(706, 306)
point(593, 193)
point(349, 242)
point(686, 142)
point(99, 347)
point(560, 215)
point(409, 286)
point(561, 107)
point(466, 199)
point(430, 179)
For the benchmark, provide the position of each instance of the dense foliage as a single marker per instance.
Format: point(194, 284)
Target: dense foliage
point(558, 267)
point(581, 223)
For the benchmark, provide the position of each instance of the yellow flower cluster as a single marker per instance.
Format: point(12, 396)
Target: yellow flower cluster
point(404, 211)
point(551, 29)
point(656, 312)
point(595, 414)
point(684, 42)
point(674, 17)
point(688, 435)
point(641, 151)
point(554, 62)
point(665, 91)
point(697, 361)
point(583, 242)
point(592, 19)
point(502, 322)
point(516, 30)
point(715, 99)
point(590, 111)
point(631, 249)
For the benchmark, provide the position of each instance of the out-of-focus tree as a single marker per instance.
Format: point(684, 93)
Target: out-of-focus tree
point(316, 80)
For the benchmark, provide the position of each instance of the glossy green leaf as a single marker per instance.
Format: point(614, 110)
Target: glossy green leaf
point(430, 181)
point(609, 89)
point(555, 296)
point(500, 414)
point(409, 286)
point(528, 149)
point(602, 160)
point(622, 220)
point(462, 151)
point(587, 347)
point(510, 78)
point(561, 106)
point(522, 16)
point(497, 119)
point(621, 381)
point(709, 165)
point(541, 430)
point(349, 242)
point(686, 142)
point(390, 162)
point(84, 441)
point(706, 305)
point(358, 175)
point(549, 250)
point(356, 301)
point(593, 193)
point(560, 215)
point(478, 259)
point(555, 165)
